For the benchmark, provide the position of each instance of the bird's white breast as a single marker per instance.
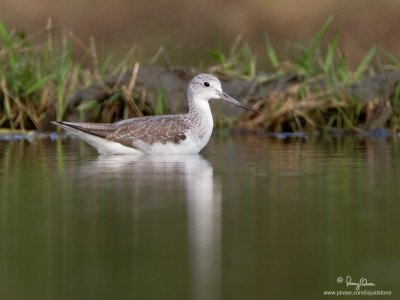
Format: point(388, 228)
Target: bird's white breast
point(201, 127)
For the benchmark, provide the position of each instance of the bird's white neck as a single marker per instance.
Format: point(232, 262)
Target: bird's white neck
point(200, 108)
point(202, 120)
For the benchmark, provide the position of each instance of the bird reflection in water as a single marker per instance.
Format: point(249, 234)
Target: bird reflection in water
point(203, 196)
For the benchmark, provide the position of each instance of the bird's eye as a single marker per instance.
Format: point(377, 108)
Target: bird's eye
point(206, 84)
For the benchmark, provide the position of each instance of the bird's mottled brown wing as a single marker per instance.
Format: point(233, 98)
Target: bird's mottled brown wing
point(160, 129)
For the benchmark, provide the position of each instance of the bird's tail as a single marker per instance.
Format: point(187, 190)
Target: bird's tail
point(95, 135)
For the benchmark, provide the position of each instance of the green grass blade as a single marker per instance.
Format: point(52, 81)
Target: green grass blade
point(87, 105)
point(272, 56)
point(392, 59)
point(218, 56)
point(8, 42)
point(161, 102)
point(5, 36)
point(365, 63)
point(316, 40)
point(331, 53)
point(7, 109)
point(396, 100)
point(38, 84)
point(249, 61)
point(309, 57)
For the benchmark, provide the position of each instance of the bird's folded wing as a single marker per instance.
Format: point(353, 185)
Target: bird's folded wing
point(140, 131)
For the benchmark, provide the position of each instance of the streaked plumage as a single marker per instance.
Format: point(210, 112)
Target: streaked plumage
point(167, 134)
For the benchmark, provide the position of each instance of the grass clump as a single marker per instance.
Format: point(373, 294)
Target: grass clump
point(240, 61)
point(39, 73)
point(316, 89)
point(32, 77)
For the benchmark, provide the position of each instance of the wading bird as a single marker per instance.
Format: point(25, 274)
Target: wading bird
point(165, 134)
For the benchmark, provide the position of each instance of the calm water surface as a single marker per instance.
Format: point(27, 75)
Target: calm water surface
point(249, 218)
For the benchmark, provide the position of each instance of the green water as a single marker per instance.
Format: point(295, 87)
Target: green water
point(249, 218)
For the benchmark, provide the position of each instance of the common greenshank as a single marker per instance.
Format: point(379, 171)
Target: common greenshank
point(166, 134)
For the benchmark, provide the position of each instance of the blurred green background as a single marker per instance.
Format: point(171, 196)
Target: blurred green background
point(188, 29)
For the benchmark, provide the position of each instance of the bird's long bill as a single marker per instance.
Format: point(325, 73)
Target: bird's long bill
point(228, 98)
